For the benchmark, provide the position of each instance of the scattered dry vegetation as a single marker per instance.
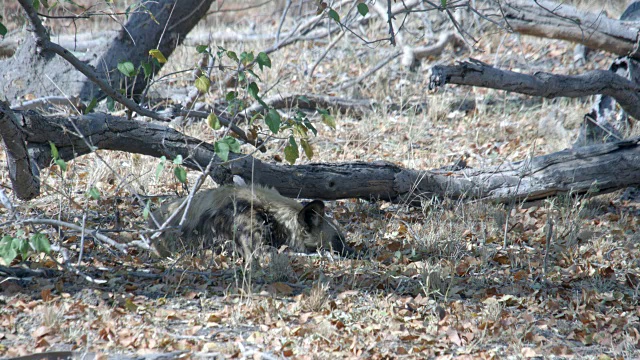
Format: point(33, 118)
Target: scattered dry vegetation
point(431, 281)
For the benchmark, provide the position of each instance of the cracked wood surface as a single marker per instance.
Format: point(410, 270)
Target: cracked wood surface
point(586, 170)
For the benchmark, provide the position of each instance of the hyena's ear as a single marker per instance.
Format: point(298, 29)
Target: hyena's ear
point(312, 214)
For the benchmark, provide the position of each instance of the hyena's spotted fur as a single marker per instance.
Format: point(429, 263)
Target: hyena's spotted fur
point(251, 217)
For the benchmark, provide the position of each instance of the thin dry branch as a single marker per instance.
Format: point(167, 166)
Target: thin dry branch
point(311, 102)
point(477, 73)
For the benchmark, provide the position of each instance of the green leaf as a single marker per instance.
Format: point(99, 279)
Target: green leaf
point(7, 250)
point(308, 150)
point(181, 174)
point(231, 95)
point(157, 54)
point(310, 126)
point(263, 60)
point(147, 209)
point(146, 69)
point(94, 193)
point(91, 106)
point(443, 3)
point(202, 49)
point(300, 130)
point(160, 167)
point(253, 90)
point(5, 241)
point(178, 160)
point(233, 143)
point(253, 74)
point(202, 84)
point(334, 15)
point(327, 118)
point(241, 76)
point(225, 145)
point(3, 30)
point(127, 68)
point(291, 153)
point(21, 246)
point(246, 57)
point(273, 121)
point(232, 55)
point(62, 164)
point(8, 254)
point(54, 151)
point(222, 150)
point(213, 121)
point(36, 4)
point(363, 9)
point(41, 243)
point(111, 104)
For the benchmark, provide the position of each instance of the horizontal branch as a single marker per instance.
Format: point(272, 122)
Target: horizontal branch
point(312, 102)
point(476, 73)
point(603, 168)
point(552, 20)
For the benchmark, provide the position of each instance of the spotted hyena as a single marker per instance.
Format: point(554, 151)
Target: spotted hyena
point(251, 217)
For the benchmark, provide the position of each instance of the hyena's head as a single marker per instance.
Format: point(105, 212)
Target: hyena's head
point(320, 231)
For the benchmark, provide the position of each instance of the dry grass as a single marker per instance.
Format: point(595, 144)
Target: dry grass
point(433, 281)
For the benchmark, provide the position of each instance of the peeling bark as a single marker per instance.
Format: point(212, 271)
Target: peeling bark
point(477, 73)
point(587, 170)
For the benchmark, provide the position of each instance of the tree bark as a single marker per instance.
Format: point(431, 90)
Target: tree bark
point(23, 174)
point(587, 170)
point(50, 74)
point(477, 73)
point(561, 21)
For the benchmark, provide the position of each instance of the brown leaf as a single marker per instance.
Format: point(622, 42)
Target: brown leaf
point(41, 331)
point(279, 288)
point(453, 336)
point(528, 352)
point(46, 295)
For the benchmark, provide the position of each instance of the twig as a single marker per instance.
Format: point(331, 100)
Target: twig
point(93, 232)
point(74, 101)
point(77, 271)
point(547, 244)
point(258, 143)
point(326, 51)
point(380, 65)
point(282, 18)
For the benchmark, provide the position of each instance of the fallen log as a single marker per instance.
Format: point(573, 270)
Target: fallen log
point(586, 170)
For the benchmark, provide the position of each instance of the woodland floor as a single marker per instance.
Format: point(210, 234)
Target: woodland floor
point(431, 282)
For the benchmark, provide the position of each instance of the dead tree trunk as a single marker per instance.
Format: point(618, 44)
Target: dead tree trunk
point(593, 169)
point(477, 73)
point(164, 26)
point(561, 21)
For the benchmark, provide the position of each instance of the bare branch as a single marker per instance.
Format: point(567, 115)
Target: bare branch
point(477, 73)
point(561, 21)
